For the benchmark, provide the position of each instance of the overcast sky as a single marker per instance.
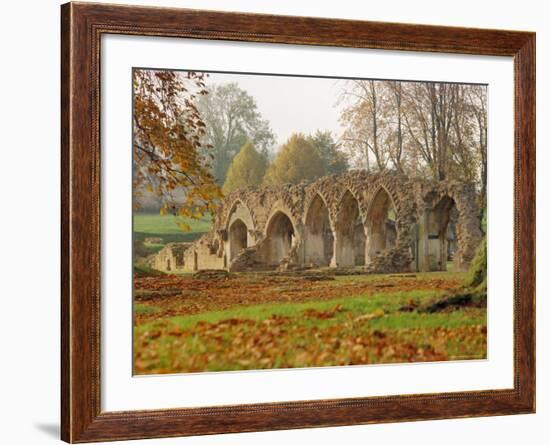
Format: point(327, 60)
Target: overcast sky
point(291, 104)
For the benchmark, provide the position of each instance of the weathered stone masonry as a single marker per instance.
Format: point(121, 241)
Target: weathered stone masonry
point(382, 222)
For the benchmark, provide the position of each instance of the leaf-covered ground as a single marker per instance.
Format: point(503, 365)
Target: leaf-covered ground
point(263, 321)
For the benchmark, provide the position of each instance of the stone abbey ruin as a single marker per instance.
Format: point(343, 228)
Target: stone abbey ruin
point(383, 223)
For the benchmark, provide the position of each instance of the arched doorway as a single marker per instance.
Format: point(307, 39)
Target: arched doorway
point(442, 233)
point(238, 238)
point(350, 234)
point(381, 225)
point(280, 238)
point(318, 237)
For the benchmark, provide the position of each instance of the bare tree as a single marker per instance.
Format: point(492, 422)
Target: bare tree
point(362, 116)
point(424, 129)
point(396, 136)
point(477, 99)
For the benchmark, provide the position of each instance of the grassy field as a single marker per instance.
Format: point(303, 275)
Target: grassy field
point(166, 227)
point(264, 321)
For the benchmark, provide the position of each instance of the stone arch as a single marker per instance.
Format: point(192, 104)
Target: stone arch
point(395, 186)
point(289, 200)
point(237, 238)
point(381, 223)
point(240, 210)
point(438, 232)
point(354, 202)
point(318, 237)
point(239, 229)
point(280, 237)
point(349, 234)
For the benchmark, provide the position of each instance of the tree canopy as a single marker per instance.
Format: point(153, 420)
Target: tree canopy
point(334, 160)
point(247, 169)
point(231, 119)
point(428, 129)
point(169, 154)
point(297, 160)
point(191, 137)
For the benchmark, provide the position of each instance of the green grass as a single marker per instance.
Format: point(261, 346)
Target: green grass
point(394, 278)
point(153, 247)
point(352, 328)
point(389, 304)
point(141, 309)
point(166, 227)
point(145, 270)
point(308, 338)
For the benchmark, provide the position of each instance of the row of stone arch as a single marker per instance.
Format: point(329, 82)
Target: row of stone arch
point(386, 223)
point(347, 238)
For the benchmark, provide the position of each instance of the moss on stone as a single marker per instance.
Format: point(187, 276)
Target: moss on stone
point(478, 269)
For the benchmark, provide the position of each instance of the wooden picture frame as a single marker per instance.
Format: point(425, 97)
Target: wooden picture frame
point(82, 26)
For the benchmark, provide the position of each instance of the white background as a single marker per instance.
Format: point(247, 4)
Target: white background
point(30, 220)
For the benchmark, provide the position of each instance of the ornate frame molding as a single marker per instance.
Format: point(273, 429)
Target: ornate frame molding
point(82, 25)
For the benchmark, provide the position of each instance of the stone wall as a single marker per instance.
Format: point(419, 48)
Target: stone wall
point(171, 258)
point(380, 222)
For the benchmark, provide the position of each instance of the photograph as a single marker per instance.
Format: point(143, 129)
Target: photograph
point(284, 221)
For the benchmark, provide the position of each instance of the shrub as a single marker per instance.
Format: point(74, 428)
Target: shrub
point(296, 161)
point(478, 269)
point(246, 170)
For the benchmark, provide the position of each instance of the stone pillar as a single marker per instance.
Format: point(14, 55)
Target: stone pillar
point(335, 241)
point(423, 241)
point(343, 250)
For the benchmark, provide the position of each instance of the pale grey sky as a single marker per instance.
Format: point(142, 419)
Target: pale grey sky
point(291, 104)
